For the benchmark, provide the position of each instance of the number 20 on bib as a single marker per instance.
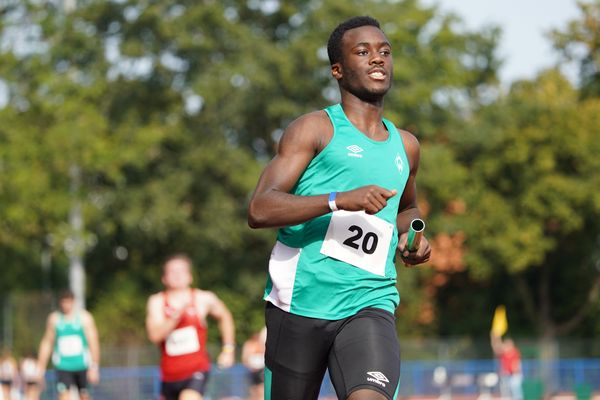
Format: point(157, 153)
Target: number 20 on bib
point(359, 239)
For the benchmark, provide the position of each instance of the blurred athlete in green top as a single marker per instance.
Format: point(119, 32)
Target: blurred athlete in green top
point(71, 338)
point(342, 192)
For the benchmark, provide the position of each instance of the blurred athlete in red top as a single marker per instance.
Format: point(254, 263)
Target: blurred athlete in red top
point(176, 321)
point(511, 375)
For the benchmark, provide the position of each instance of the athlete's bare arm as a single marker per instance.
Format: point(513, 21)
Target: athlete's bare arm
point(46, 345)
point(497, 344)
point(91, 335)
point(159, 326)
point(272, 205)
point(218, 311)
point(408, 210)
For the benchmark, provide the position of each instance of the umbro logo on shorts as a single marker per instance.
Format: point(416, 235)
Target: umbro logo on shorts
point(355, 151)
point(377, 377)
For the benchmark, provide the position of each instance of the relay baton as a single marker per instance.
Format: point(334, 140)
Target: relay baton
point(415, 233)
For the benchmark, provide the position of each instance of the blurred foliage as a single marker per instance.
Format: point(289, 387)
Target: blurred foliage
point(169, 110)
point(579, 42)
point(531, 207)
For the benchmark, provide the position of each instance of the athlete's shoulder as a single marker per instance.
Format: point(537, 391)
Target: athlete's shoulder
point(204, 296)
point(411, 146)
point(314, 121)
point(86, 316)
point(408, 138)
point(157, 296)
point(54, 317)
point(309, 131)
point(156, 299)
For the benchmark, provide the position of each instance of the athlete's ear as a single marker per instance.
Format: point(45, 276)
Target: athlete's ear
point(336, 71)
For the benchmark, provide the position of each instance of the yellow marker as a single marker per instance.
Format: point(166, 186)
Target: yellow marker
point(499, 323)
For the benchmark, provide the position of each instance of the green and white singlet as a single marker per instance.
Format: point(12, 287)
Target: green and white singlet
point(332, 266)
point(70, 346)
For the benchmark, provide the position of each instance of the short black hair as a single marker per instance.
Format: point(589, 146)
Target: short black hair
point(334, 44)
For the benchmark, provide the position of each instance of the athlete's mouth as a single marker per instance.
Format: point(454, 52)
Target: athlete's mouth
point(377, 73)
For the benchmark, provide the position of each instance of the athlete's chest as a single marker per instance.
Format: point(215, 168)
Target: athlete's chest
point(356, 159)
point(194, 310)
point(69, 326)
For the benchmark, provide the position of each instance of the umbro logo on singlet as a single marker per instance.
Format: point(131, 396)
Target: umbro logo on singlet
point(355, 151)
point(377, 377)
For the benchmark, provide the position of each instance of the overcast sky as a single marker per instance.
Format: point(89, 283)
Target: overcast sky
point(523, 46)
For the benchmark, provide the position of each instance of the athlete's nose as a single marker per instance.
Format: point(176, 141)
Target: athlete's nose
point(377, 59)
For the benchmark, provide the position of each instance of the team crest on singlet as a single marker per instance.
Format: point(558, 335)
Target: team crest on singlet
point(399, 162)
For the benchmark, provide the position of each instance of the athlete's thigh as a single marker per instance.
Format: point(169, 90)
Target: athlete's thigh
point(296, 354)
point(366, 355)
point(84, 395)
point(64, 395)
point(171, 390)
point(194, 387)
point(32, 391)
point(189, 394)
point(5, 391)
point(367, 394)
point(80, 378)
point(64, 381)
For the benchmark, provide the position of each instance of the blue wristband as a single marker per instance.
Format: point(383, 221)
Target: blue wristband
point(332, 205)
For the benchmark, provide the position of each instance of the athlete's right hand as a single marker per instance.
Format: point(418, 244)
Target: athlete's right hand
point(175, 313)
point(371, 199)
point(93, 375)
point(226, 359)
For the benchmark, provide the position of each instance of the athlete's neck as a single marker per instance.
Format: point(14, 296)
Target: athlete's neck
point(69, 315)
point(366, 117)
point(178, 291)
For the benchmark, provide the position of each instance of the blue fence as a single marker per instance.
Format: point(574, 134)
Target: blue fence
point(417, 379)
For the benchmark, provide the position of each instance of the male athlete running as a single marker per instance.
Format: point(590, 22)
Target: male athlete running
point(72, 339)
point(341, 188)
point(176, 321)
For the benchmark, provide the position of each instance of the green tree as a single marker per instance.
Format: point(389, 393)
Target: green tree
point(579, 42)
point(169, 108)
point(532, 209)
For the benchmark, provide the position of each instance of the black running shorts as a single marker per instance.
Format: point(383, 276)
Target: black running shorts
point(66, 379)
point(361, 352)
point(171, 390)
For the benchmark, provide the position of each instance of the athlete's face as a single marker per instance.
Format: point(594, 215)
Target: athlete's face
point(367, 66)
point(177, 274)
point(66, 305)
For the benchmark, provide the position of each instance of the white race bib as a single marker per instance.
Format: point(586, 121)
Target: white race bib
point(182, 341)
point(359, 239)
point(70, 345)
